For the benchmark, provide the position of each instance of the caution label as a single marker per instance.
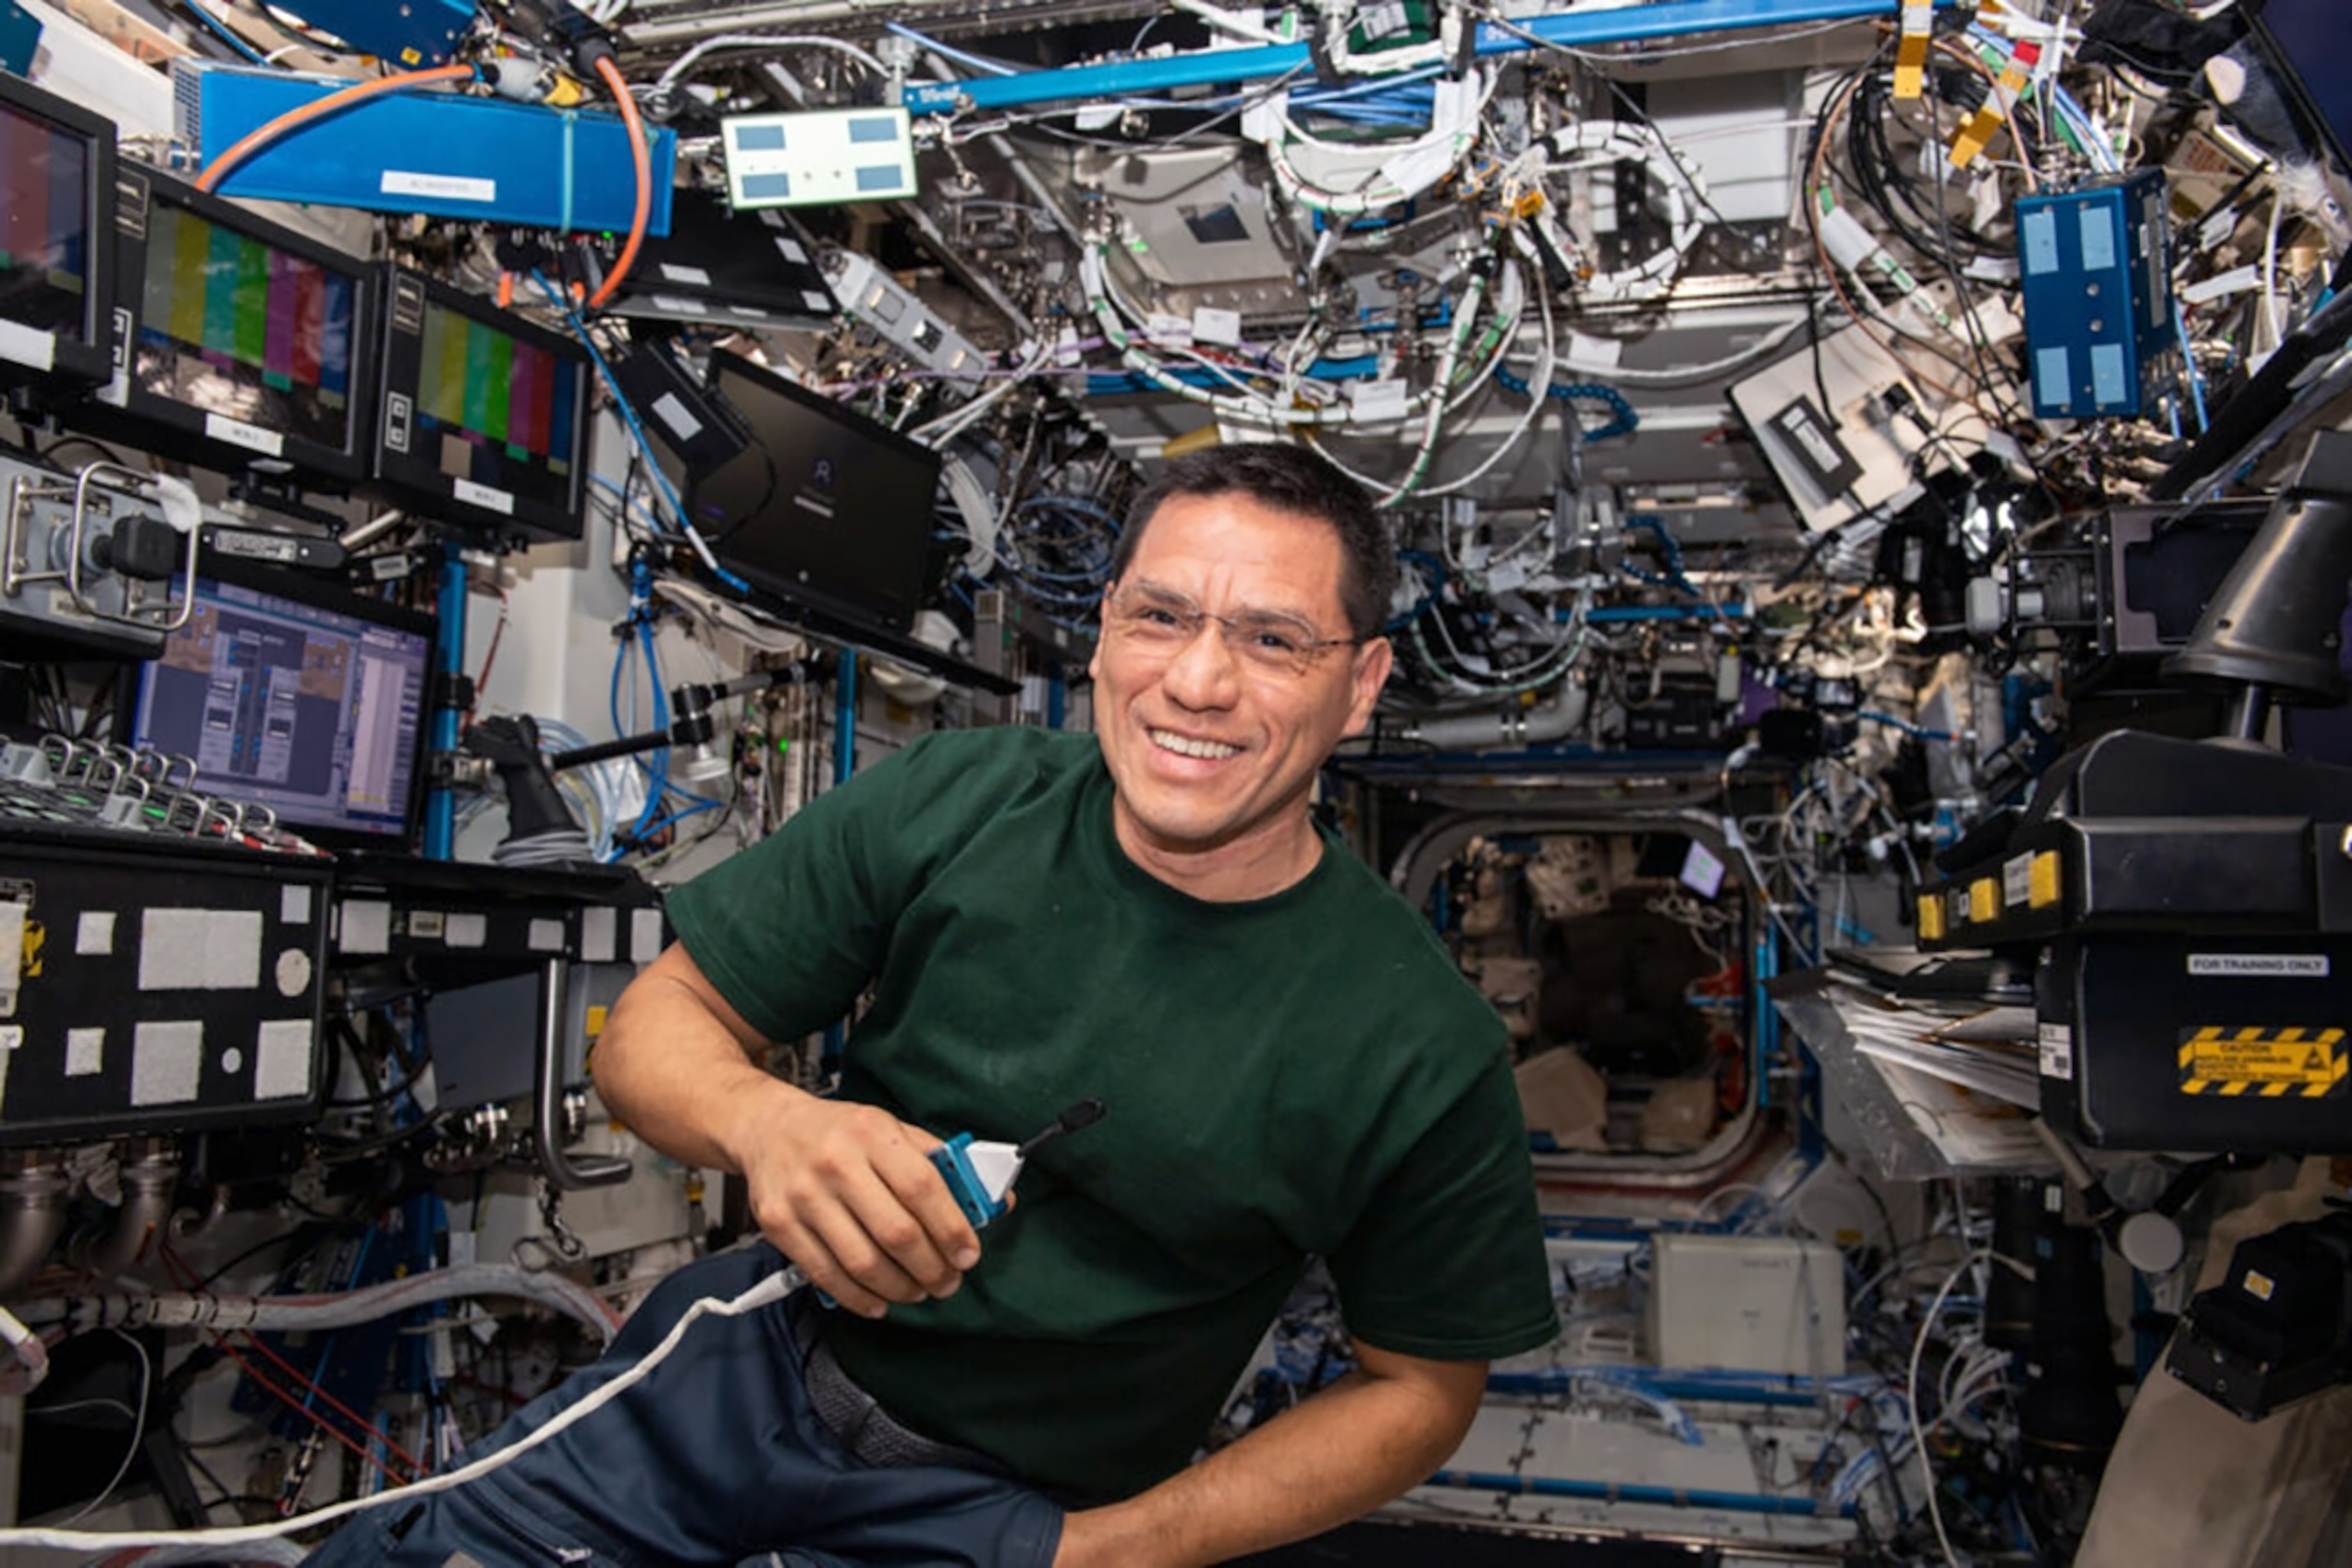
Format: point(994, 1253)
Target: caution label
point(2263, 1064)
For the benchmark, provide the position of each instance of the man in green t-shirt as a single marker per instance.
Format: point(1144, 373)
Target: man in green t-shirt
point(1291, 1065)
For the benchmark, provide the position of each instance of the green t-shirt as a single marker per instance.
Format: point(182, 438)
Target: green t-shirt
point(1301, 1075)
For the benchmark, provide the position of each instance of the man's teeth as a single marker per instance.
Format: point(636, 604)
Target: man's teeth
point(1185, 746)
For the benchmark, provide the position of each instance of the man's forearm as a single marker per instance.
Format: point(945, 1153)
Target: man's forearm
point(1345, 1451)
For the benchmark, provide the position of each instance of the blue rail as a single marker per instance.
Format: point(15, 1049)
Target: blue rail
point(1203, 68)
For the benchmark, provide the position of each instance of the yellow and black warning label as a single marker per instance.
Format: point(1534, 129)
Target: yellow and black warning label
point(2262, 1063)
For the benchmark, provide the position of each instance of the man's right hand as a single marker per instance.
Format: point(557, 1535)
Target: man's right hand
point(849, 1194)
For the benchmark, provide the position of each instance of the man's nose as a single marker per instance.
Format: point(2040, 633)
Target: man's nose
point(1204, 674)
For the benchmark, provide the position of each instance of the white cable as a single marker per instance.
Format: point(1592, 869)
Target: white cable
point(1747, 356)
point(684, 62)
point(939, 432)
point(766, 1293)
point(137, 1429)
point(1593, 142)
point(30, 1353)
point(1911, 1394)
point(1538, 390)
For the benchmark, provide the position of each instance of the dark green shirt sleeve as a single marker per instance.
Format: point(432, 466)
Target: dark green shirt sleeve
point(1447, 1261)
point(791, 930)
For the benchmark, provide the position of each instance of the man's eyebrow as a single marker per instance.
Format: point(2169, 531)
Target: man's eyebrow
point(1177, 595)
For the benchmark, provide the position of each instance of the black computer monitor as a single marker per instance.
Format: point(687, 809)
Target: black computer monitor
point(485, 415)
point(246, 348)
point(825, 507)
point(57, 193)
point(299, 695)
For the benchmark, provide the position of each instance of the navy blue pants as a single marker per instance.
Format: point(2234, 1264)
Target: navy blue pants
point(716, 1458)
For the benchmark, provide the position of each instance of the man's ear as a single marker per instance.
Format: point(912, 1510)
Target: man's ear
point(1370, 672)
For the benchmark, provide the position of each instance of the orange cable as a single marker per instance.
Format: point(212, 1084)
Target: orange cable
point(642, 157)
point(319, 109)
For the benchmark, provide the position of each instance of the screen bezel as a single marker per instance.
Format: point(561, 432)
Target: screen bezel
point(417, 481)
point(90, 361)
point(320, 594)
point(897, 615)
point(2315, 123)
point(176, 430)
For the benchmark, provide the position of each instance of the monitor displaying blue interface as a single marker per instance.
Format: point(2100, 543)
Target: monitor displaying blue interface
point(313, 706)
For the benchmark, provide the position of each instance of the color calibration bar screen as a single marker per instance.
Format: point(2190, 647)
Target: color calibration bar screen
point(495, 411)
point(45, 232)
point(233, 326)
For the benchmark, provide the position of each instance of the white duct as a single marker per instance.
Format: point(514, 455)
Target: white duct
point(1508, 727)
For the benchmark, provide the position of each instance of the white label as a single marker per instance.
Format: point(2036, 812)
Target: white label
point(546, 936)
point(12, 946)
point(294, 904)
point(469, 929)
point(2017, 879)
point(24, 345)
point(600, 933)
point(447, 187)
point(366, 926)
point(237, 433)
point(85, 1052)
point(2260, 965)
point(1602, 352)
point(2057, 1051)
point(1166, 327)
point(281, 1060)
point(483, 496)
point(1210, 325)
point(674, 414)
point(199, 950)
point(94, 933)
point(167, 1062)
point(672, 272)
point(1374, 401)
point(424, 925)
point(790, 249)
point(644, 935)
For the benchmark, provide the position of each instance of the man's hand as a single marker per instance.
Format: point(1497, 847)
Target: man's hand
point(848, 1193)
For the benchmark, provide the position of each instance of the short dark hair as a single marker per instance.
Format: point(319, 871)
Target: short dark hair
point(1285, 478)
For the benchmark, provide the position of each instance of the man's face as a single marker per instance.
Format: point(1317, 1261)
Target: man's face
point(1212, 744)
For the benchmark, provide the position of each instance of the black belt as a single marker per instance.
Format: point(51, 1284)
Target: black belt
point(856, 1420)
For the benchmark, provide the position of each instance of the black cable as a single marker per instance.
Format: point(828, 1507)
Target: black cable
point(281, 1239)
point(341, 1149)
point(348, 1038)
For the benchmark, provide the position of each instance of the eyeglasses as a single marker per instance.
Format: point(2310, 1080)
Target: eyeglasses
point(1156, 621)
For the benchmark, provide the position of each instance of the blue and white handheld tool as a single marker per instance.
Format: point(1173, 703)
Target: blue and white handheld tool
point(980, 1173)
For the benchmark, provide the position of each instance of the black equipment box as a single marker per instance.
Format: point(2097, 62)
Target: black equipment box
point(155, 986)
point(2195, 899)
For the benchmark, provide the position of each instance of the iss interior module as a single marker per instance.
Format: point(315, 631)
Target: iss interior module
point(1869, 490)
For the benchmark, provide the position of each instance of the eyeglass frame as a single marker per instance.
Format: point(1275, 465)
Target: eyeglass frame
point(1181, 605)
